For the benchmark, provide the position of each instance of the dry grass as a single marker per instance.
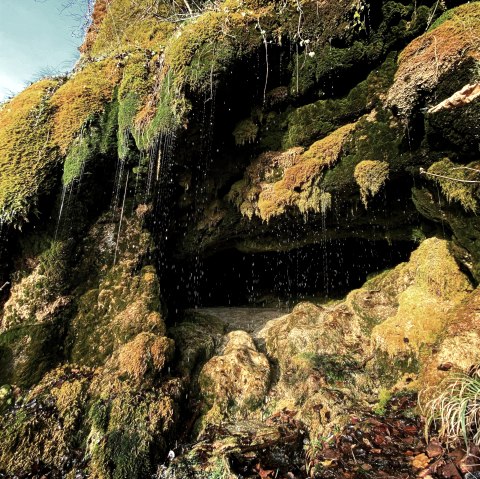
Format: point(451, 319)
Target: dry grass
point(456, 410)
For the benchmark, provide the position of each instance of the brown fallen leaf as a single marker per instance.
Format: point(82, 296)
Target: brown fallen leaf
point(410, 430)
point(434, 449)
point(450, 471)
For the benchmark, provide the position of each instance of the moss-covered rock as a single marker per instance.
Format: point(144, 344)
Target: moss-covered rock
point(26, 152)
point(432, 286)
point(457, 348)
point(430, 58)
point(370, 177)
point(123, 302)
point(236, 381)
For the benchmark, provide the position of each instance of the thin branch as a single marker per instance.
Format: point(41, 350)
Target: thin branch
point(423, 172)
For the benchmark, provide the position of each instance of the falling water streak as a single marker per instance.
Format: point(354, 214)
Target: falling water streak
point(121, 219)
point(199, 195)
point(154, 152)
point(117, 184)
point(137, 179)
point(64, 191)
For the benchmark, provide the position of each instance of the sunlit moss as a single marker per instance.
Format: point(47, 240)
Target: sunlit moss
point(299, 185)
point(84, 95)
point(434, 286)
point(126, 25)
point(26, 149)
point(451, 41)
point(370, 177)
point(453, 181)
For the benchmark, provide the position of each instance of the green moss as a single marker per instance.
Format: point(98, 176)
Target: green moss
point(26, 151)
point(245, 132)
point(167, 115)
point(316, 120)
point(27, 352)
point(376, 138)
point(75, 161)
point(125, 444)
point(463, 193)
point(384, 396)
point(136, 84)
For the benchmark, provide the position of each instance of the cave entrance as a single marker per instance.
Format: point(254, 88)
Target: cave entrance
point(279, 279)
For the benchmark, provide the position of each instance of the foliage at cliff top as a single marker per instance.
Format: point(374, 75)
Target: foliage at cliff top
point(26, 151)
point(120, 26)
point(452, 40)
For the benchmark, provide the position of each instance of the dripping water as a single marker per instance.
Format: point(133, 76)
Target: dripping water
point(121, 219)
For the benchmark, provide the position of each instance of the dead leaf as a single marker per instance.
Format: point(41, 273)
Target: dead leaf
point(434, 449)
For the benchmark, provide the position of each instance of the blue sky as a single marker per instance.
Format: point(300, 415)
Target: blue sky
point(37, 36)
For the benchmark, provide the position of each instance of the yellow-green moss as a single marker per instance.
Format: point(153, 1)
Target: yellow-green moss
point(26, 150)
point(432, 285)
point(83, 96)
point(137, 82)
point(370, 177)
point(464, 193)
point(299, 184)
point(46, 424)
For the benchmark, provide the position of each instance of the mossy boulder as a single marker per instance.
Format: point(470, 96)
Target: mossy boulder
point(432, 286)
point(431, 58)
point(235, 381)
point(457, 349)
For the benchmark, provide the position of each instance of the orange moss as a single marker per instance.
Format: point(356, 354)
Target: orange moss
point(98, 15)
point(84, 95)
point(147, 352)
point(298, 187)
point(427, 58)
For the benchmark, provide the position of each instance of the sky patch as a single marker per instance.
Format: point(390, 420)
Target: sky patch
point(37, 37)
